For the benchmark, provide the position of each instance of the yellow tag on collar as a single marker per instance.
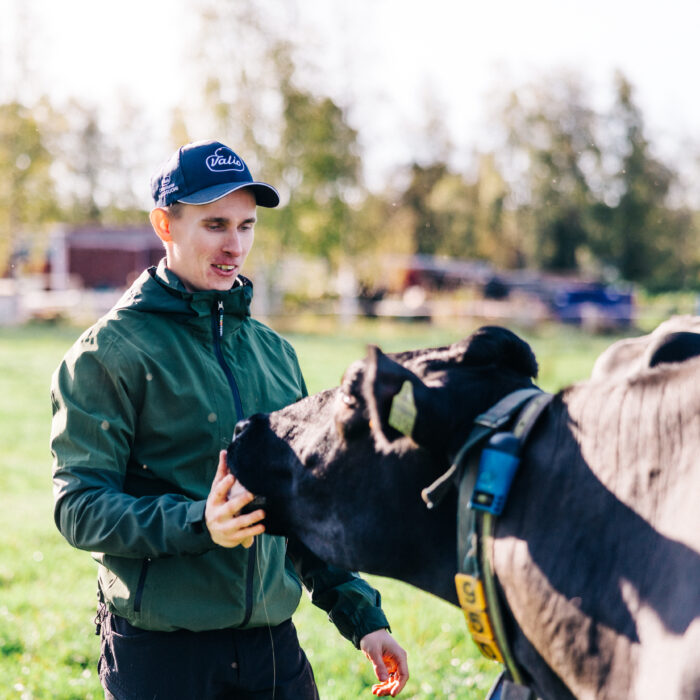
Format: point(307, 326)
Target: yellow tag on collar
point(403, 412)
point(470, 591)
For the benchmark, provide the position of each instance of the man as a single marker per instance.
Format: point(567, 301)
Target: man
point(194, 600)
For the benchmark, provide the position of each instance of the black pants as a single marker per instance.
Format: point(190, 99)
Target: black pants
point(255, 664)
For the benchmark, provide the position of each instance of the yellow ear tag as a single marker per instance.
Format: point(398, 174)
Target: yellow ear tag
point(402, 416)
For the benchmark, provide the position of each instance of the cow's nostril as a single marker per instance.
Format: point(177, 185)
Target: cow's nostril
point(240, 427)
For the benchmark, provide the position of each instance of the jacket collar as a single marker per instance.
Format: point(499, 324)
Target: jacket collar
point(160, 290)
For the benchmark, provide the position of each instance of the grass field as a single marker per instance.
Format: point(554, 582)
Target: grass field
point(47, 589)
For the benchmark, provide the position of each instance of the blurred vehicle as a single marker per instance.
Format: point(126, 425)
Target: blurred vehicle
point(593, 305)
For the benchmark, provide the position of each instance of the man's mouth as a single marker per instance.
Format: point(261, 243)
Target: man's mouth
point(225, 268)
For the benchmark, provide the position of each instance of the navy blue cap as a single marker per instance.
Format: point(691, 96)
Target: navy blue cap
point(204, 171)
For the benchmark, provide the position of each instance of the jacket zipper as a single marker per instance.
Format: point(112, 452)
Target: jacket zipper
point(250, 573)
point(218, 333)
point(141, 584)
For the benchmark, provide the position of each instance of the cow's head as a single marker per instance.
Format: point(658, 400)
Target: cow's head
point(344, 476)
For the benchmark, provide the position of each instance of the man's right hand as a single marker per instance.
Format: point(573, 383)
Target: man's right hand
point(226, 498)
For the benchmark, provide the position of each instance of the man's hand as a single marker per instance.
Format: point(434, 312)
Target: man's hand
point(389, 661)
point(226, 527)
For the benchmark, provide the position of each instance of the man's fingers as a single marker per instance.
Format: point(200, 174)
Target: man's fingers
point(390, 686)
point(238, 535)
point(247, 525)
point(248, 519)
point(226, 487)
point(237, 498)
point(373, 646)
point(226, 498)
point(389, 660)
point(397, 666)
point(380, 669)
point(222, 469)
point(220, 490)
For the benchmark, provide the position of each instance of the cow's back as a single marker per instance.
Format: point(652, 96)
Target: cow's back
point(640, 436)
point(630, 356)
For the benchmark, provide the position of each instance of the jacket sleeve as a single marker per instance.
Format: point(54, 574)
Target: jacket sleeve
point(94, 418)
point(353, 606)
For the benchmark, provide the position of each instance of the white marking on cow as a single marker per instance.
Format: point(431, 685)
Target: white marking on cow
point(663, 663)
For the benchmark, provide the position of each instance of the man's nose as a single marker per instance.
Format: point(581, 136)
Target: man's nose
point(232, 244)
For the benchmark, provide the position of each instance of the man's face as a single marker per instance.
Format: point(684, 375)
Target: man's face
point(210, 242)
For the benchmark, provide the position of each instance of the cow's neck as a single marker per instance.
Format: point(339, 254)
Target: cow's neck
point(432, 560)
point(547, 558)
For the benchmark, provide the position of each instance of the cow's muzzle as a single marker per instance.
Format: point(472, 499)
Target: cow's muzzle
point(240, 427)
point(258, 501)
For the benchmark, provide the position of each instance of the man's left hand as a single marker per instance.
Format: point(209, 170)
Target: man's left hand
point(389, 661)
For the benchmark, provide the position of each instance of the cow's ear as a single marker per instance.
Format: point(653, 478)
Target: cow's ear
point(384, 380)
point(673, 347)
point(397, 400)
point(491, 345)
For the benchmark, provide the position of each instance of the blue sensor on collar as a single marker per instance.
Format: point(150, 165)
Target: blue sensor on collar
point(497, 467)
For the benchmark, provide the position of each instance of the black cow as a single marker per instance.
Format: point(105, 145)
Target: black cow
point(597, 553)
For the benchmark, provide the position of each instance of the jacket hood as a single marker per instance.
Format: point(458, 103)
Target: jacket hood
point(160, 290)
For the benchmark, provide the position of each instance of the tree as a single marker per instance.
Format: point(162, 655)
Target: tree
point(319, 167)
point(299, 139)
point(454, 215)
point(27, 197)
point(96, 170)
point(83, 154)
point(243, 61)
point(416, 199)
point(551, 142)
point(496, 230)
point(639, 233)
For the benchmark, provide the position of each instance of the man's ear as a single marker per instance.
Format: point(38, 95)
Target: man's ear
point(161, 224)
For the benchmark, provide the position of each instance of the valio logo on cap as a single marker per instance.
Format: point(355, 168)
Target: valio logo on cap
point(224, 159)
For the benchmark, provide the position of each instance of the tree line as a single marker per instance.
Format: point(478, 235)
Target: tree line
point(565, 188)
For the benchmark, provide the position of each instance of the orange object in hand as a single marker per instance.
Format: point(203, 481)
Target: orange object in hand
point(391, 684)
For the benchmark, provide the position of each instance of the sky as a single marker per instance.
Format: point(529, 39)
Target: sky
point(385, 59)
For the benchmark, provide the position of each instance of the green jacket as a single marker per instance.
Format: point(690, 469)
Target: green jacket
point(142, 404)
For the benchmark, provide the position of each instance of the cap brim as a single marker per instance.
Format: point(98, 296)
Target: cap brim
point(265, 195)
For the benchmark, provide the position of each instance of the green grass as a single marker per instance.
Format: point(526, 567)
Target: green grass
point(47, 589)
